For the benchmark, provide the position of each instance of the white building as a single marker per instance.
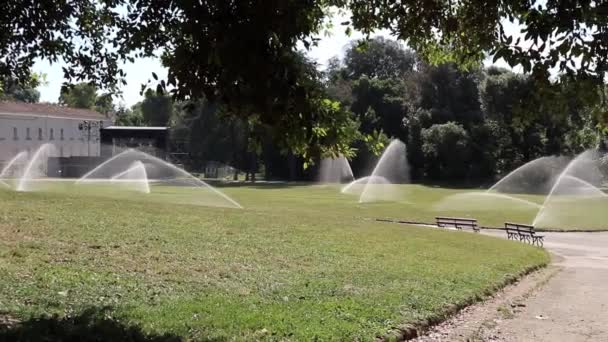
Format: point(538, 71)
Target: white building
point(26, 126)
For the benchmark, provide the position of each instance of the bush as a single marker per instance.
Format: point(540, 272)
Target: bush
point(447, 152)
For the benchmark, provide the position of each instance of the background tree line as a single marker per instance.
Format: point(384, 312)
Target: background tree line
point(461, 125)
point(283, 97)
point(458, 125)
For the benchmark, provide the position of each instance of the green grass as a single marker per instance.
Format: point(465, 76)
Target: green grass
point(298, 263)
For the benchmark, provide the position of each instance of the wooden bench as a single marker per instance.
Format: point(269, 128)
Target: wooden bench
point(457, 222)
point(523, 232)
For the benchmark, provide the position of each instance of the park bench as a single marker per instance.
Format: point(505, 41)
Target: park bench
point(458, 223)
point(523, 232)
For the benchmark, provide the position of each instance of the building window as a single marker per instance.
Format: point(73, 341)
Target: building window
point(27, 134)
point(61, 134)
point(51, 134)
point(39, 133)
point(61, 151)
point(15, 137)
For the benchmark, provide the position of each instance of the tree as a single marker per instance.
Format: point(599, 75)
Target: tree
point(81, 95)
point(84, 95)
point(378, 58)
point(449, 94)
point(203, 45)
point(156, 108)
point(129, 116)
point(446, 149)
point(76, 31)
point(554, 33)
point(379, 88)
point(379, 105)
point(459, 31)
point(13, 90)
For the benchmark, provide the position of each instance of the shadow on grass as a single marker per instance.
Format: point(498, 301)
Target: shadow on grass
point(261, 184)
point(91, 325)
point(457, 185)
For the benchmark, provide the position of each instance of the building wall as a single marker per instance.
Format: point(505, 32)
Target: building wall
point(63, 133)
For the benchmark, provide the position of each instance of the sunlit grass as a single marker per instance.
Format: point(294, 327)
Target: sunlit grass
point(297, 263)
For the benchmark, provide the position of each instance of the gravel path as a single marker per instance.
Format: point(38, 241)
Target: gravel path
point(573, 305)
point(568, 301)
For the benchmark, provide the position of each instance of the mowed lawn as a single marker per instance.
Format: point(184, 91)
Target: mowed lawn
point(297, 263)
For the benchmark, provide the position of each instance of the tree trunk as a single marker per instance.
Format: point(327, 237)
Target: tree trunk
point(291, 161)
point(254, 167)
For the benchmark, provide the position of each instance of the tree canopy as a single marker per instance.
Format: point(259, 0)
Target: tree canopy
point(20, 91)
point(85, 95)
point(466, 125)
point(244, 55)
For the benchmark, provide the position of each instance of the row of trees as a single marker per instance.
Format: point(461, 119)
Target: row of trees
point(461, 125)
point(21, 90)
point(201, 132)
point(458, 125)
point(202, 43)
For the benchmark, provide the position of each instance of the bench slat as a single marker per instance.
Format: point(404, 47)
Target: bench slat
point(457, 222)
point(524, 232)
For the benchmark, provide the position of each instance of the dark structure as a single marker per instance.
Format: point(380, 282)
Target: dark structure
point(151, 140)
point(113, 139)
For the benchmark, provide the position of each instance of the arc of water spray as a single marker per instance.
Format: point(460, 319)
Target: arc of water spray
point(364, 181)
point(8, 166)
point(517, 170)
point(132, 168)
point(138, 165)
point(587, 184)
point(86, 175)
point(330, 166)
point(513, 198)
point(171, 166)
point(554, 187)
point(380, 163)
point(28, 169)
point(185, 173)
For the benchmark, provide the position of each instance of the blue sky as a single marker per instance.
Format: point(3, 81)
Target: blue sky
point(141, 70)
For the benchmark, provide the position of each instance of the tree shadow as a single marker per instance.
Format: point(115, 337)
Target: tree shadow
point(457, 185)
point(264, 185)
point(92, 325)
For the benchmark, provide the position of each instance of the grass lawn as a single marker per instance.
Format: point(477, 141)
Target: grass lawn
point(298, 263)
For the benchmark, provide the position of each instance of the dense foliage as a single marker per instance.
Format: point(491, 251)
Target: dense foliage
point(462, 125)
point(22, 91)
point(86, 95)
point(243, 55)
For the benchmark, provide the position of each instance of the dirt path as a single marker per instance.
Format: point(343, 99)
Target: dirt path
point(566, 302)
point(573, 305)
